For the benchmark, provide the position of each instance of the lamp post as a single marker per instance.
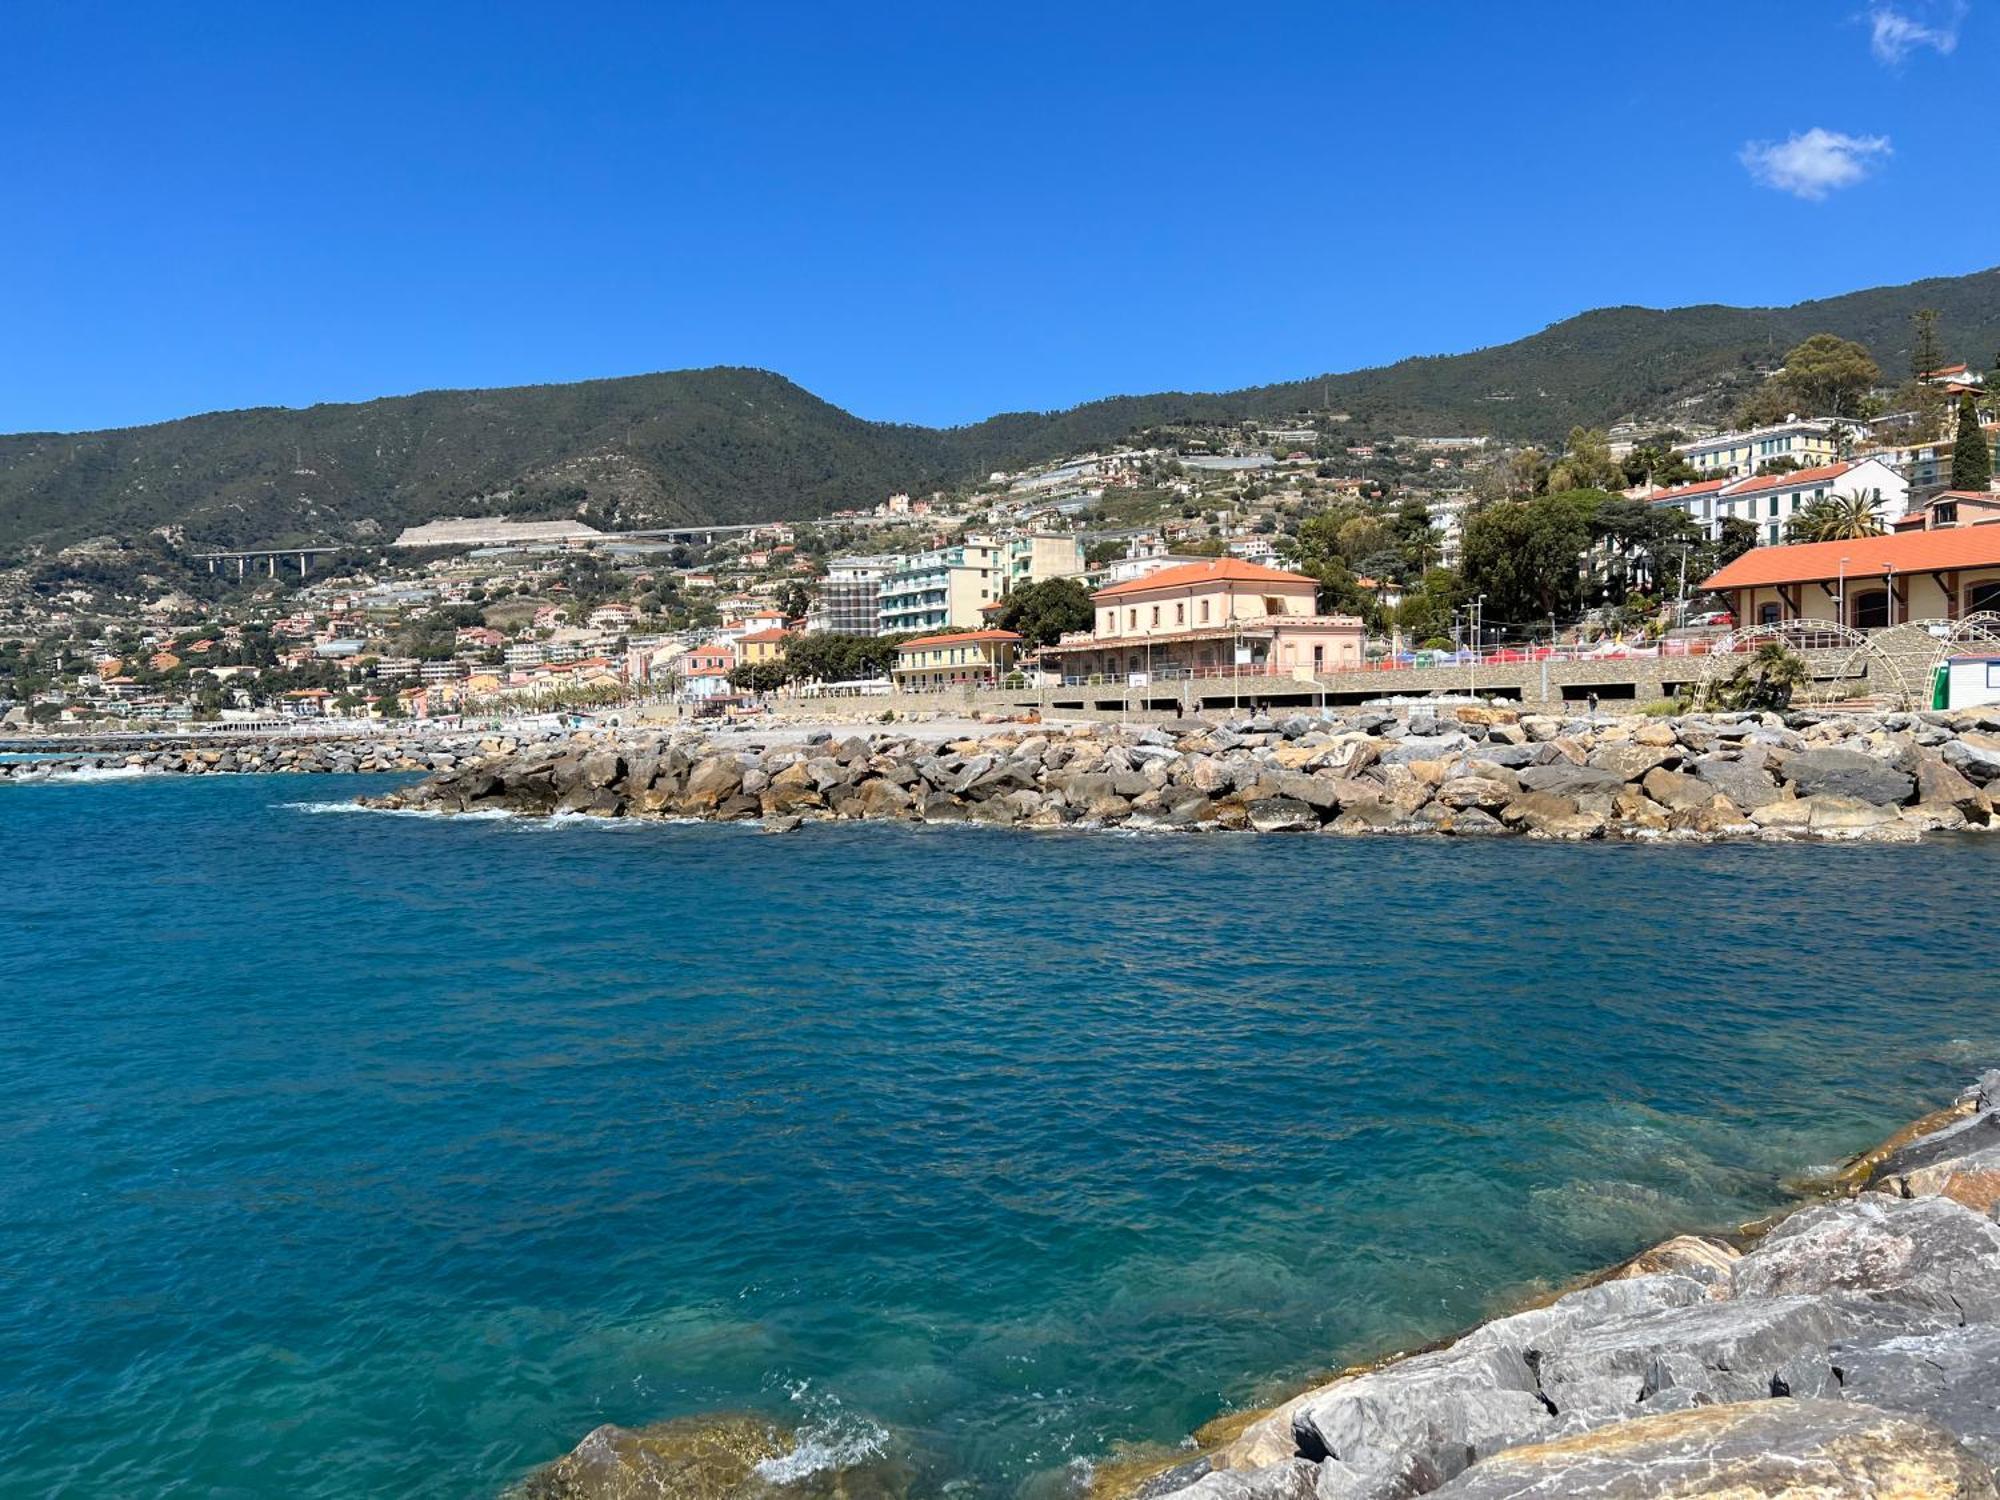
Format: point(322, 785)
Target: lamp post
point(1478, 614)
point(1840, 592)
point(1889, 587)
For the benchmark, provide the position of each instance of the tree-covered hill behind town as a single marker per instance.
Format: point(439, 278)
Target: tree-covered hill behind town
point(728, 445)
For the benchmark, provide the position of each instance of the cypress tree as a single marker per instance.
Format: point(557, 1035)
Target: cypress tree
point(1971, 459)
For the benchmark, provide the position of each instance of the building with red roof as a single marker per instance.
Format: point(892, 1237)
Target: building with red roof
point(1944, 573)
point(1769, 501)
point(1207, 618)
point(967, 658)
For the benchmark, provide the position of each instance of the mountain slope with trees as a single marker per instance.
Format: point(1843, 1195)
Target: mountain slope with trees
point(729, 444)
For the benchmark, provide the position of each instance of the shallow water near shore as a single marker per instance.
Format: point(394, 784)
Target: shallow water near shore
point(388, 1155)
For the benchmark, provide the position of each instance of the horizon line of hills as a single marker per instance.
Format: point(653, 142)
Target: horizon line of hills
point(729, 444)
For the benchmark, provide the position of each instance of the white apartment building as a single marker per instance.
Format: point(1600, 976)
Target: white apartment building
point(1770, 501)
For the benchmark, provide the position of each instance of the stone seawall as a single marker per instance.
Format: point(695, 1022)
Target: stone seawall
point(1469, 771)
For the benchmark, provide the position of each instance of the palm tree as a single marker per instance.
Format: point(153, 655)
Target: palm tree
point(1767, 680)
point(1838, 518)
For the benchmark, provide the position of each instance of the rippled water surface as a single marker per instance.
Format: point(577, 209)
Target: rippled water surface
point(345, 1153)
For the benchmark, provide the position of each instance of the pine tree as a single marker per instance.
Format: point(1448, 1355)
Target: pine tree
point(1971, 459)
point(1926, 354)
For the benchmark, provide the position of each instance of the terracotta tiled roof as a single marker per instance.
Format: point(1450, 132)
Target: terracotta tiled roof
point(1905, 551)
point(1215, 570)
point(960, 638)
point(763, 637)
point(1687, 491)
point(1787, 481)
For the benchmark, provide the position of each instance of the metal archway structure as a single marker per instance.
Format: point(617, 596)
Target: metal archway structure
point(1801, 637)
point(1926, 644)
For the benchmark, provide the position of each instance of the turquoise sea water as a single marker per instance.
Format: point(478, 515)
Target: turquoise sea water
point(344, 1153)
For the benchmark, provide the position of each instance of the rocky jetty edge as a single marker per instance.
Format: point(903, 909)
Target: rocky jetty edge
point(1850, 1348)
point(1470, 770)
point(275, 754)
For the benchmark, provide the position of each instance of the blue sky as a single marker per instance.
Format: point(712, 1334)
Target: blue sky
point(935, 212)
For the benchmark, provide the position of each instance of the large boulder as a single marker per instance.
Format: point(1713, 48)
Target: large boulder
point(1565, 780)
point(1762, 1450)
point(1288, 1479)
point(1716, 1351)
point(1926, 1253)
point(1831, 815)
point(1428, 1416)
point(1629, 762)
point(1951, 1376)
point(1548, 815)
point(1939, 785)
point(1976, 755)
point(713, 780)
point(1281, 815)
point(709, 1458)
point(1848, 773)
point(1744, 782)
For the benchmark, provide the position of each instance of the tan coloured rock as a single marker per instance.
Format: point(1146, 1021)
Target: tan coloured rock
point(1753, 1450)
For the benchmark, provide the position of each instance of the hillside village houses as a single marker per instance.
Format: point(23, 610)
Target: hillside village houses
point(572, 601)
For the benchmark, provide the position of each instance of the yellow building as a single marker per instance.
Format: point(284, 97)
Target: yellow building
point(762, 646)
point(965, 657)
point(1807, 444)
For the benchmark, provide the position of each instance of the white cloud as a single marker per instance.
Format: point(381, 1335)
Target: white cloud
point(1894, 33)
point(1815, 162)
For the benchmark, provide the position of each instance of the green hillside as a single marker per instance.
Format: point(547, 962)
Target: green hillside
point(738, 444)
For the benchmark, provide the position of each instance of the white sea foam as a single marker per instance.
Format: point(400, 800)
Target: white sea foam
point(80, 774)
point(483, 815)
point(829, 1438)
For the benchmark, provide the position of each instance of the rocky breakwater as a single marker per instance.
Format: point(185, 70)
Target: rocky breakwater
point(269, 754)
point(1469, 771)
point(1854, 1349)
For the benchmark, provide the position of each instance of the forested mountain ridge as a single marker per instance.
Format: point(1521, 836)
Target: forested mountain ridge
point(729, 444)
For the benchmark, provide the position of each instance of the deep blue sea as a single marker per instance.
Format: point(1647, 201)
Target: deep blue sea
point(344, 1153)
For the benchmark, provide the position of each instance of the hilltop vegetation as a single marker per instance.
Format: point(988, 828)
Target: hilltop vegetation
point(729, 445)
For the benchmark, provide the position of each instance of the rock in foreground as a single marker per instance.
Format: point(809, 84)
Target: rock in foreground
point(1854, 1349)
point(1762, 1450)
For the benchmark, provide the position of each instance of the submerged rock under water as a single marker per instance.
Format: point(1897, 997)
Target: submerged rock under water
point(722, 1457)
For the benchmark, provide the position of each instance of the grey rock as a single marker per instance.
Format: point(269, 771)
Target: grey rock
point(1726, 1351)
point(1951, 1376)
point(1848, 773)
point(1564, 780)
point(1743, 782)
point(1293, 1479)
point(1447, 1409)
point(1511, 756)
point(1924, 1253)
point(1281, 815)
point(1533, 1331)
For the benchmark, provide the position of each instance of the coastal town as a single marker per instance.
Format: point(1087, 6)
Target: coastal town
point(1200, 566)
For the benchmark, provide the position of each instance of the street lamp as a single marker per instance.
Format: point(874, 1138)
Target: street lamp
point(1840, 593)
